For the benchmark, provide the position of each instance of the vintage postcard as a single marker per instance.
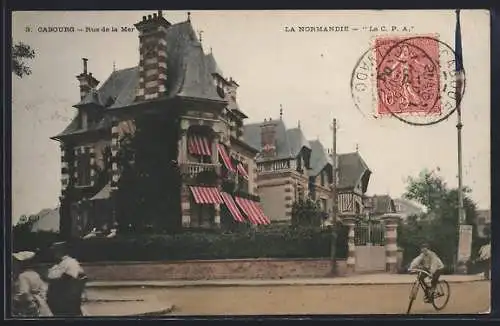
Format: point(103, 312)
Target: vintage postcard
point(283, 162)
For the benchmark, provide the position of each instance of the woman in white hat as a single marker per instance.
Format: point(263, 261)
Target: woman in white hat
point(30, 291)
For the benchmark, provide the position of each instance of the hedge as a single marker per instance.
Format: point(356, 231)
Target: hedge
point(285, 242)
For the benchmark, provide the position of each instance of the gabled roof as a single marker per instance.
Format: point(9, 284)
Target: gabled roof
point(351, 170)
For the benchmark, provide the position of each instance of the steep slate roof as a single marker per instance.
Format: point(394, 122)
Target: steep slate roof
point(213, 67)
point(252, 135)
point(351, 168)
point(188, 75)
point(297, 141)
point(319, 157)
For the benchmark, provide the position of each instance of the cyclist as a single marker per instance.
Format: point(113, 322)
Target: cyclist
point(429, 261)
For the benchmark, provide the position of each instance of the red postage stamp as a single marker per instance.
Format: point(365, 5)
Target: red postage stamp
point(408, 78)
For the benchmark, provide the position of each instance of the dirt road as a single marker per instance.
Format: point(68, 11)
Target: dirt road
point(471, 297)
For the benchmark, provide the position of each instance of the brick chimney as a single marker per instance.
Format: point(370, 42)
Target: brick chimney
point(268, 138)
point(87, 81)
point(153, 56)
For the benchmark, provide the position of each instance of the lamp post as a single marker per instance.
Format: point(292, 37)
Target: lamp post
point(334, 199)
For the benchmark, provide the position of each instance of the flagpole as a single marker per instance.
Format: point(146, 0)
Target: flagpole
point(459, 70)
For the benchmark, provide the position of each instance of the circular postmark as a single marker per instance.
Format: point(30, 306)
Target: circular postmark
point(410, 78)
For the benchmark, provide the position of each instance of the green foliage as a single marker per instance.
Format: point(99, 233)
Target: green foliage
point(21, 52)
point(306, 213)
point(24, 239)
point(149, 187)
point(439, 226)
point(272, 242)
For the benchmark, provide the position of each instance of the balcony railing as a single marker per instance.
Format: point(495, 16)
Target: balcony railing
point(193, 168)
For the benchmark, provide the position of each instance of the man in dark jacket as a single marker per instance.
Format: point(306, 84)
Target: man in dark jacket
point(66, 284)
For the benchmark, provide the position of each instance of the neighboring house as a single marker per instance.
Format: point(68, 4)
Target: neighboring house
point(483, 221)
point(378, 205)
point(407, 208)
point(353, 179)
point(47, 220)
point(174, 74)
point(291, 168)
point(283, 166)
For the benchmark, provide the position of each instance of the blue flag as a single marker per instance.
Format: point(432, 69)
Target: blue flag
point(459, 63)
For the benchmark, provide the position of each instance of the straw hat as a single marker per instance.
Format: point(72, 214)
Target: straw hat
point(23, 255)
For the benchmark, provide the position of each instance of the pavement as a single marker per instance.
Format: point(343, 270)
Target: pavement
point(362, 279)
point(125, 298)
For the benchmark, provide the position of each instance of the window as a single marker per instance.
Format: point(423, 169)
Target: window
point(323, 205)
point(83, 168)
point(322, 176)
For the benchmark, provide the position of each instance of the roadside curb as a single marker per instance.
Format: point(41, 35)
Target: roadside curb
point(156, 312)
point(172, 284)
point(166, 309)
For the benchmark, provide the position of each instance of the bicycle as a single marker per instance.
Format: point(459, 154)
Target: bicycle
point(442, 290)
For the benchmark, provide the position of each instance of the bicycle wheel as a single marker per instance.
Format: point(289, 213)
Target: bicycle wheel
point(441, 295)
point(413, 295)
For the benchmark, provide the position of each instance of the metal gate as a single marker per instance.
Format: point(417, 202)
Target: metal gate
point(369, 238)
point(369, 233)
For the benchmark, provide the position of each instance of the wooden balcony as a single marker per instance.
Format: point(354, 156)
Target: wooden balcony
point(193, 168)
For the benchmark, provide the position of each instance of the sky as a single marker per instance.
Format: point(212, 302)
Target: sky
point(307, 73)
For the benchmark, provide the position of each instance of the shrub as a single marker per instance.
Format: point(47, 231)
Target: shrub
point(284, 242)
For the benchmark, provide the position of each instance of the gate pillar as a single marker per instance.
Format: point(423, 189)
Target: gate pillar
point(391, 237)
point(351, 246)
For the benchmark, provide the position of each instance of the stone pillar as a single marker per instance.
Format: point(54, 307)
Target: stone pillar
point(65, 198)
point(182, 154)
point(65, 173)
point(351, 246)
point(217, 215)
point(93, 172)
point(115, 172)
point(391, 247)
point(185, 206)
point(215, 152)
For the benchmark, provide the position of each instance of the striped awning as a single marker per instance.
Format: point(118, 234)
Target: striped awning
point(206, 195)
point(242, 171)
point(225, 157)
point(260, 211)
point(198, 145)
point(233, 208)
point(253, 212)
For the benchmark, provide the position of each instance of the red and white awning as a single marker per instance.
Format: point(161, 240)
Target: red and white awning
point(242, 171)
point(225, 157)
point(198, 145)
point(233, 208)
point(260, 211)
point(206, 195)
point(253, 212)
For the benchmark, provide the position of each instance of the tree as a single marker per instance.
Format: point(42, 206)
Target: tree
point(439, 226)
point(20, 53)
point(306, 213)
point(150, 183)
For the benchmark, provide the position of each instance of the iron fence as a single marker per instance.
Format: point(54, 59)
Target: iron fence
point(369, 233)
